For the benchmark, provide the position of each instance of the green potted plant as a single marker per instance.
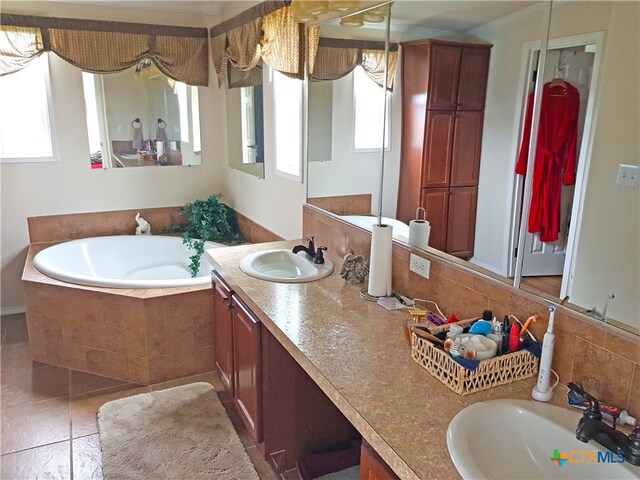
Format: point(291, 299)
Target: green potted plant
point(208, 220)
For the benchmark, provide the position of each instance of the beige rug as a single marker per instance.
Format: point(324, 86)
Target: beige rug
point(178, 433)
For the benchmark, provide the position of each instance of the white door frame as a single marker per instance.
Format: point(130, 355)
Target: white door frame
point(527, 67)
point(584, 159)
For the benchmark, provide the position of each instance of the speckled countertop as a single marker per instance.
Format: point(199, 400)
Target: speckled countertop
point(356, 352)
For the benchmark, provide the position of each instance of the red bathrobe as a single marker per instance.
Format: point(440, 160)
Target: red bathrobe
point(555, 156)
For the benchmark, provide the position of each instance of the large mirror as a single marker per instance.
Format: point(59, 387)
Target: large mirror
point(346, 182)
point(592, 73)
point(140, 117)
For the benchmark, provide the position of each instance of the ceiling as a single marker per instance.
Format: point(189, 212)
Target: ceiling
point(454, 16)
point(197, 7)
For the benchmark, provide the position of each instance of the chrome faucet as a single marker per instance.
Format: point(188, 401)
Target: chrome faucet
point(312, 253)
point(591, 427)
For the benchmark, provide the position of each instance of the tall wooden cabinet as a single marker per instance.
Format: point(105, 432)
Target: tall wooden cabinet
point(443, 93)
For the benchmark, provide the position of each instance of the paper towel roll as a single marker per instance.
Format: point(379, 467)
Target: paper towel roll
point(419, 231)
point(380, 261)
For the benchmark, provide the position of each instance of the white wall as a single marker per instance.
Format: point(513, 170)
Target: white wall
point(498, 157)
point(69, 185)
point(607, 256)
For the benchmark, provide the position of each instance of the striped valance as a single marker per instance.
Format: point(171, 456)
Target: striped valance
point(97, 46)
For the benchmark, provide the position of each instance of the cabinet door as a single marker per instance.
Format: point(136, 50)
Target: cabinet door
point(444, 75)
point(467, 143)
point(474, 70)
point(438, 145)
point(248, 367)
point(223, 331)
point(435, 201)
point(372, 467)
point(461, 229)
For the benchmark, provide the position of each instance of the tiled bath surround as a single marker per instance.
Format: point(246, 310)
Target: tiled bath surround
point(138, 335)
point(605, 361)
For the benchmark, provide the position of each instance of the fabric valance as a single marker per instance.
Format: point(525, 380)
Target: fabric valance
point(336, 58)
point(270, 35)
point(96, 46)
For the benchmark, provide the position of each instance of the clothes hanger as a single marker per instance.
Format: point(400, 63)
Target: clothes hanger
point(557, 80)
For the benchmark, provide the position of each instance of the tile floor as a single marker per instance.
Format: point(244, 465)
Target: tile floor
point(48, 423)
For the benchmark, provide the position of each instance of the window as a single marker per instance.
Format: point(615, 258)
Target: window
point(367, 106)
point(25, 128)
point(287, 101)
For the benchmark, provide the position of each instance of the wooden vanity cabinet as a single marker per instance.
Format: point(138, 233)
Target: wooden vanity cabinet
point(247, 359)
point(223, 331)
point(443, 95)
point(372, 467)
point(237, 334)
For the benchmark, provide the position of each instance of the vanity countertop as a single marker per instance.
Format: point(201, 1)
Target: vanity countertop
point(356, 352)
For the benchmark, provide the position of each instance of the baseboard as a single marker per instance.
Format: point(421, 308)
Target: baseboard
point(12, 310)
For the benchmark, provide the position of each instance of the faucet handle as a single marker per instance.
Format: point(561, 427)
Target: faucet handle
point(319, 257)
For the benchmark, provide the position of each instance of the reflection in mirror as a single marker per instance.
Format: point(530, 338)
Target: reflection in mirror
point(591, 112)
point(245, 121)
point(474, 215)
point(140, 117)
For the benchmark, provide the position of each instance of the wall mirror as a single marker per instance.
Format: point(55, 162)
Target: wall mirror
point(245, 121)
point(140, 117)
point(595, 260)
point(516, 31)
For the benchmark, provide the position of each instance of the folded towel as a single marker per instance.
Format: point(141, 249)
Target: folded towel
point(161, 132)
point(138, 138)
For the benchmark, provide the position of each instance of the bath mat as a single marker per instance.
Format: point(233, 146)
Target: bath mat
point(181, 432)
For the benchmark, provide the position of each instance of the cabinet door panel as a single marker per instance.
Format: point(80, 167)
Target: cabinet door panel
point(443, 77)
point(223, 331)
point(474, 69)
point(248, 368)
point(435, 201)
point(462, 221)
point(372, 467)
point(438, 145)
point(467, 143)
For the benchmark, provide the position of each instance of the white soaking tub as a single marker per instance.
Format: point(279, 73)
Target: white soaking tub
point(124, 261)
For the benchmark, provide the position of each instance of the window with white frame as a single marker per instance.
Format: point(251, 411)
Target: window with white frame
point(287, 101)
point(367, 113)
point(25, 126)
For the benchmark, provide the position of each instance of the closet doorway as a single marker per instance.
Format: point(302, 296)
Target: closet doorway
point(547, 266)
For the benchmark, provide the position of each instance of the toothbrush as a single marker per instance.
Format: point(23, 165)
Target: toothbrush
point(541, 392)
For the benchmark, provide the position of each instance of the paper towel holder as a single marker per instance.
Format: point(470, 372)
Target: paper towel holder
point(424, 215)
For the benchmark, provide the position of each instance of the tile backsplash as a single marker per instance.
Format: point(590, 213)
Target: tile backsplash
point(604, 360)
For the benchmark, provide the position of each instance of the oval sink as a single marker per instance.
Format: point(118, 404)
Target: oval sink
point(283, 266)
point(511, 439)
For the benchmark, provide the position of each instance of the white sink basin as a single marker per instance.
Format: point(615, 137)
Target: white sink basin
point(512, 439)
point(283, 266)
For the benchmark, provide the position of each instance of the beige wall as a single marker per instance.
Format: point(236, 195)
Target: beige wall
point(607, 256)
point(502, 112)
point(69, 185)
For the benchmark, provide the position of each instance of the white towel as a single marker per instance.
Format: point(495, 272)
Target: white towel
point(138, 138)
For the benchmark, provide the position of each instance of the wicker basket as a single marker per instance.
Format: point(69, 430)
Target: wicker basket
point(490, 373)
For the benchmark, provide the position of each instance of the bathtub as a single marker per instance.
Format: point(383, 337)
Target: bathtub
point(400, 230)
point(124, 261)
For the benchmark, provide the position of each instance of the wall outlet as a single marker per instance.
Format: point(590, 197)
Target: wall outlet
point(628, 176)
point(419, 265)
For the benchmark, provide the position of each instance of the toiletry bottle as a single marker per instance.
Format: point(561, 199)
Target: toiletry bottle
point(514, 338)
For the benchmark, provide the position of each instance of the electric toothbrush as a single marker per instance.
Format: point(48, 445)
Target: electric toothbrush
point(542, 392)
